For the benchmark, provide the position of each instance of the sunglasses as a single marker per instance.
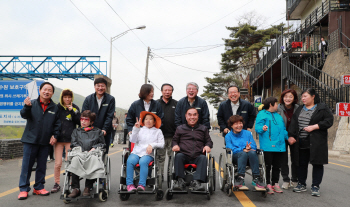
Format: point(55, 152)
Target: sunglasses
point(84, 119)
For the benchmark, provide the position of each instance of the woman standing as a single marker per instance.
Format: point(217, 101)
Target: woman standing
point(70, 118)
point(145, 103)
point(272, 135)
point(308, 132)
point(288, 105)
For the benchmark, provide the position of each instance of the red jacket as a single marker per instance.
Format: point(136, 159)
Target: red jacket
point(192, 140)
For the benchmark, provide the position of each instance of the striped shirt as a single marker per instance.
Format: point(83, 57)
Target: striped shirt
point(304, 120)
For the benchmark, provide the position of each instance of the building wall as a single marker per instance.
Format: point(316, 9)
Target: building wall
point(312, 5)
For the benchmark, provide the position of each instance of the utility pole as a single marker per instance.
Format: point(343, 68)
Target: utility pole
point(146, 74)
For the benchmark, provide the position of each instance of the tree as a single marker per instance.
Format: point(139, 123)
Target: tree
point(243, 50)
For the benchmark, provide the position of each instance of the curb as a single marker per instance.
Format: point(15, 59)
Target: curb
point(333, 153)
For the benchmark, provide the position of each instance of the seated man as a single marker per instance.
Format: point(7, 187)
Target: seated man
point(243, 148)
point(191, 140)
point(88, 138)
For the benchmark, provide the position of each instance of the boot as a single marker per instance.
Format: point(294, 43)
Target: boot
point(86, 191)
point(75, 193)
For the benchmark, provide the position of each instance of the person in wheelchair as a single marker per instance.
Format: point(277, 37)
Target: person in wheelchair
point(146, 139)
point(243, 147)
point(89, 138)
point(190, 141)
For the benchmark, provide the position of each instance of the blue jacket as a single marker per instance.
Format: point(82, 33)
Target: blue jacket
point(200, 104)
point(245, 109)
point(272, 140)
point(237, 142)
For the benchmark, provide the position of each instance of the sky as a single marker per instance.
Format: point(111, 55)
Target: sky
point(84, 27)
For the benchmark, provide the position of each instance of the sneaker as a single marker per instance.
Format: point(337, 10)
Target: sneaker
point(140, 188)
point(112, 145)
point(196, 186)
point(180, 185)
point(294, 184)
point(257, 182)
point(239, 181)
point(300, 188)
point(131, 188)
point(277, 188)
point(315, 191)
point(75, 193)
point(286, 185)
point(41, 192)
point(23, 195)
point(269, 189)
point(55, 188)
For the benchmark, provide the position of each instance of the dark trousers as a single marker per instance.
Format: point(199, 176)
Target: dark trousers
point(272, 161)
point(107, 141)
point(317, 170)
point(30, 153)
point(285, 165)
point(51, 152)
point(241, 159)
point(112, 136)
point(201, 162)
point(125, 134)
point(76, 182)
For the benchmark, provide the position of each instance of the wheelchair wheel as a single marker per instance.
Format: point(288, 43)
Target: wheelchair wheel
point(124, 197)
point(264, 194)
point(214, 174)
point(208, 196)
point(103, 195)
point(170, 168)
point(65, 201)
point(159, 195)
point(210, 180)
point(222, 171)
point(168, 195)
point(108, 179)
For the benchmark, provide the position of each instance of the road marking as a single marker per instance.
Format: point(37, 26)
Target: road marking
point(14, 190)
point(241, 196)
point(339, 164)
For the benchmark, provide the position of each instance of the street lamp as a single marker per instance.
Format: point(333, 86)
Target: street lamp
point(114, 38)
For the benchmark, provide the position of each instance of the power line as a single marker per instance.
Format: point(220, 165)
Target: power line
point(189, 53)
point(209, 24)
point(109, 41)
point(179, 48)
point(183, 65)
point(125, 23)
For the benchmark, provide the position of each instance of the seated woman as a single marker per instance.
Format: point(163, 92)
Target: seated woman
point(146, 139)
point(243, 148)
point(88, 138)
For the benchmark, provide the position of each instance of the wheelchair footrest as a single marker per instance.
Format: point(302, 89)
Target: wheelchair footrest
point(126, 192)
point(178, 191)
point(199, 192)
point(146, 192)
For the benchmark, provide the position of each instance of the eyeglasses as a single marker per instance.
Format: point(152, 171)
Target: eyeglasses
point(84, 119)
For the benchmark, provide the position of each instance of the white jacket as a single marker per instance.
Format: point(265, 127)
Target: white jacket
point(142, 137)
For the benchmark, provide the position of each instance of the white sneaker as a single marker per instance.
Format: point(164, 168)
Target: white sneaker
point(285, 185)
point(294, 184)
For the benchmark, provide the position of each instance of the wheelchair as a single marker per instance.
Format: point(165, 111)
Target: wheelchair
point(228, 172)
point(155, 180)
point(102, 186)
point(190, 169)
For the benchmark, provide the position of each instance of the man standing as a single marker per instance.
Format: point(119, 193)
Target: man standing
point(42, 128)
point(191, 140)
point(235, 106)
point(192, 100)
point(103, 105)
point(168, 128)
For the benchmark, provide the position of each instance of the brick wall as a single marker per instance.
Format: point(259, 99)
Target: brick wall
point(11, 148)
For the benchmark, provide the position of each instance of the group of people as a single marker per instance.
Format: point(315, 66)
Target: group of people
point(280, 125)
point(182, 127)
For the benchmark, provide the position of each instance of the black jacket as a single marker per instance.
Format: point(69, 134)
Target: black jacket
point(138, 106)
point(69, 121)
point(245, 109)
point(87, 139)
point(40, 125)
point(318, 138)
point(106, 112)
point(192, 140)
point(168, 128)
point(200, 104)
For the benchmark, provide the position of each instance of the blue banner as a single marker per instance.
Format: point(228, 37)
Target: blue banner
point(13, 93)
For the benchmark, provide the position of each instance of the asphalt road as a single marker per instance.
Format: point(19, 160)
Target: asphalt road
point(334, 189)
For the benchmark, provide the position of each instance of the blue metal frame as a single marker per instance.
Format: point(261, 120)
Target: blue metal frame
point(45, 67)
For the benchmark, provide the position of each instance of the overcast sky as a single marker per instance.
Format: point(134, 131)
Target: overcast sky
point(41, 27)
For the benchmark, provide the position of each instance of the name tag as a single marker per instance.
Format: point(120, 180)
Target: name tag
point(51, 112)
point(244, 112)
point(104, 104)
point(198, 108)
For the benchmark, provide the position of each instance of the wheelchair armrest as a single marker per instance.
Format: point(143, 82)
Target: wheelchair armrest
point(259, 150)
point(228, 150)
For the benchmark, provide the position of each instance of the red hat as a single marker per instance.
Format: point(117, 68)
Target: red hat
point(158, 121)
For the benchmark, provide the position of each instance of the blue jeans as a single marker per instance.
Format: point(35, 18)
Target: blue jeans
point(30, 153)
point(241, 158)
point(130, 166)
